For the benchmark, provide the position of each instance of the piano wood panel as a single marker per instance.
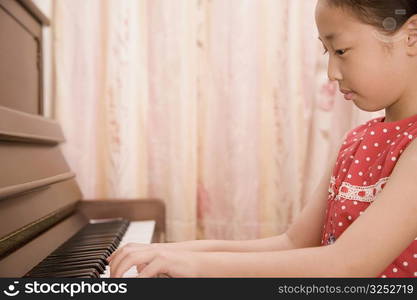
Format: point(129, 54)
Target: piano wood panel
point(20, 55)
point(20, 126)
point(16, 212)
point(25, 258)
point(22, 163)
point(19, 11)
point(36, 11)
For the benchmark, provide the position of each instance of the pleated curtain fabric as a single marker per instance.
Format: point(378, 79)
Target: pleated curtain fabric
point(221, 108)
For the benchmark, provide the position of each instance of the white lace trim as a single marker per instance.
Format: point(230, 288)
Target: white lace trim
point(331, 186)
point(355, 192)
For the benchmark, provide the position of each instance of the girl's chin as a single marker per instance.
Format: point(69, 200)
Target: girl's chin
point(367, 105)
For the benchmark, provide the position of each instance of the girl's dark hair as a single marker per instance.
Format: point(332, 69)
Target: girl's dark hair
point(386, 15)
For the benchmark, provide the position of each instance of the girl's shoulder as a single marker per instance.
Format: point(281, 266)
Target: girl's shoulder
point(360, 130)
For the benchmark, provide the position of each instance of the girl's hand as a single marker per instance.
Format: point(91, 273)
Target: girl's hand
point(153, 260)
point(139, 246)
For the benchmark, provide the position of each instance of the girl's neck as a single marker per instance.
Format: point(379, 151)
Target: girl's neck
point(401, 109)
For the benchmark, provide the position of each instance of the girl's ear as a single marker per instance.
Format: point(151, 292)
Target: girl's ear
point(411, 31)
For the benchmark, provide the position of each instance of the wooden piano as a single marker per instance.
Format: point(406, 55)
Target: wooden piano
point(46, 228)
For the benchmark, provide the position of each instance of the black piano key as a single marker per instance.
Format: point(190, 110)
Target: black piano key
point(75, 266)
point(83, 250)
point(98, 255)
point(109, 246)
point(84, 254)
point(86, 248)
point(89, 272)
point(85, 245)
point(94, 240)
point(69, 253)
point(72, 266)
point(78, 257)
point(53, 261)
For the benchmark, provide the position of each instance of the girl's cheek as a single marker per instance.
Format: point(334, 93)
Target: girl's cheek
point(365, 72)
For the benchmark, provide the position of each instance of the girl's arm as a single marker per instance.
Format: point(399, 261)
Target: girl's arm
point(306, 262)
point(280, 242)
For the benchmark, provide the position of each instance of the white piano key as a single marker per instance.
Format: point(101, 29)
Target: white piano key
point(137, 232)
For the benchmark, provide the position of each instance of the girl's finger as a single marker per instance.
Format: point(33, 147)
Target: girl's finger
point(131, 259)
point(129, 245)
point(125, 250)
point(115, 253)
point(153, 269)
point(118, 257)
point(140, 267)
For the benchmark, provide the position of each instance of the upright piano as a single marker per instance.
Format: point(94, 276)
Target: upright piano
point(47, 229)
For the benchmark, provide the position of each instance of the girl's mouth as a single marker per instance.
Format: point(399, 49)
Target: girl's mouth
point(349, 96)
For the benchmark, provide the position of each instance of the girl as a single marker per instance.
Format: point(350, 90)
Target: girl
point(364, 224)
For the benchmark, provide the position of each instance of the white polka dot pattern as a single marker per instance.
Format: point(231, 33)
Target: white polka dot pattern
point(366, 160)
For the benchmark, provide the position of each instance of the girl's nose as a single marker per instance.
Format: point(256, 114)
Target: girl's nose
point(333, 71)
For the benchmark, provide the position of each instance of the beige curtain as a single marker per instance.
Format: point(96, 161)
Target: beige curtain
point(221, 108)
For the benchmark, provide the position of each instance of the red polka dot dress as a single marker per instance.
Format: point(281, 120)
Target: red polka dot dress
point(364, 164)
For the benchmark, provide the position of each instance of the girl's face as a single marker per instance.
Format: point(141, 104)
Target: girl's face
point(359, 60)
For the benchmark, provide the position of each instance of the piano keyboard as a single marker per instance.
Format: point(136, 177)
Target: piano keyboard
point(84, 255)
point(137, 232)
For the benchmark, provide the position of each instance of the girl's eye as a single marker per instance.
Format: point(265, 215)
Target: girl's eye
point(340, 52)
